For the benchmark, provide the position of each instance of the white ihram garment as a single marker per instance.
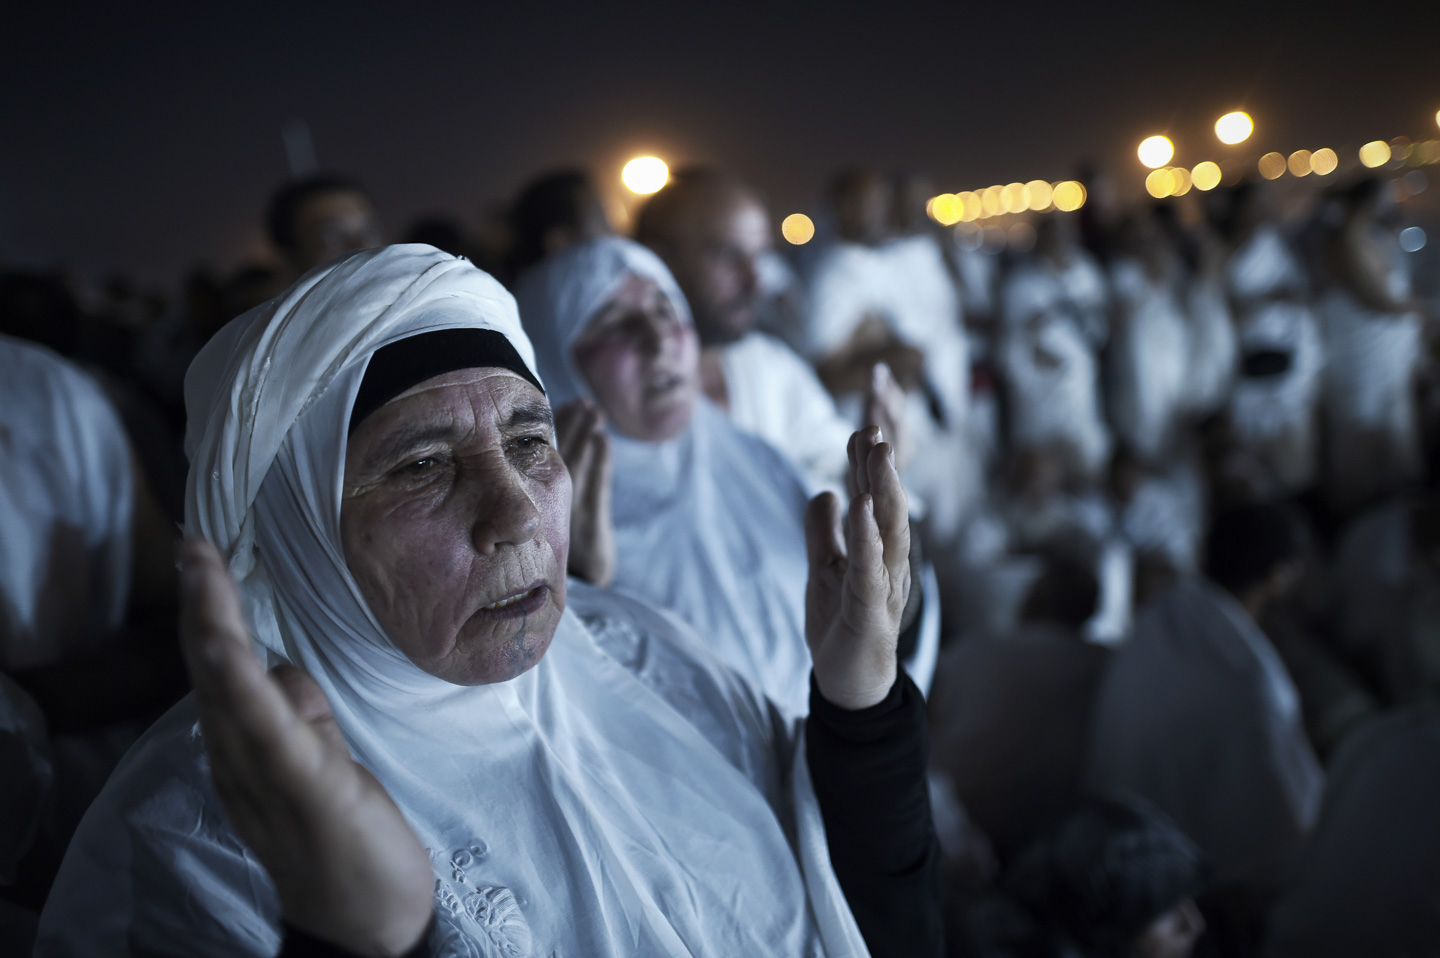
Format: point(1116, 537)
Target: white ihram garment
point(625, 796)
point(1149, 355)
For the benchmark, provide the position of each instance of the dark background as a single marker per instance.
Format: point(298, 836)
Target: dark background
point(146, 141)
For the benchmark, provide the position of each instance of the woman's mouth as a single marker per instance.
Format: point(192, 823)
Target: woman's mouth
point(517, 604)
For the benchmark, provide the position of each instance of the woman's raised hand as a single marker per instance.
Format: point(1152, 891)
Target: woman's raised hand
point(859, 577)
point(585, 447)
point(348, 868)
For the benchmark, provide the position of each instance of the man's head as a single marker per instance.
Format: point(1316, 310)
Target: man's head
point(552, 213)
point(455, 522)
point(641, 361)
point(912, 191)
point(861, 201)
point(1254, 551)
point(1057, 238)
point(314, 220)
point(711, 230)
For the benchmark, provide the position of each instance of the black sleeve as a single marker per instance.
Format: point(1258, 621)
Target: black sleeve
point(298, 944)
point(868, 767)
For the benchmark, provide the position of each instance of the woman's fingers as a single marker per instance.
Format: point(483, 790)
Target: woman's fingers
point(598, 493)
point(892, 512)
point(861, 442)
point(824, 541)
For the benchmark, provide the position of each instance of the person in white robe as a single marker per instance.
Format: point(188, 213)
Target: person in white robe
point(1274, 406)
point(1149, 347)
point(1372, 331)
point(558, 778)
point(1051, 326)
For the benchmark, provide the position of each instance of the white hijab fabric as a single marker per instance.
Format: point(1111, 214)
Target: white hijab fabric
point(607, 802)
point(709, 524)
point(1198, 715)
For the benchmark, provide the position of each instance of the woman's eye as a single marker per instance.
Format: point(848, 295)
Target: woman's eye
point(417, 468)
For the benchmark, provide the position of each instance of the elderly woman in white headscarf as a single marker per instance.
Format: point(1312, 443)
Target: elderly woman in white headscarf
point(447, 745)
point(707, 520)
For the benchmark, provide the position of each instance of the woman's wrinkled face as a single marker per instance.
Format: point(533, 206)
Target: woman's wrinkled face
point(641, 361)
point(456, 523)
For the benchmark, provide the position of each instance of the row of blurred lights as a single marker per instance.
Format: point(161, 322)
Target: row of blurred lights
point(1037, 196)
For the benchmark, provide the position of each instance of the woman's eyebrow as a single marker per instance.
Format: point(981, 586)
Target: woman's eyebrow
point(529, 414)
point(401, 443)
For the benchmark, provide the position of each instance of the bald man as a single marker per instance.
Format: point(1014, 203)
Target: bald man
point(713, 231)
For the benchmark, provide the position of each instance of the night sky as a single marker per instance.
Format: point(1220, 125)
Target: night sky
point(148, 141)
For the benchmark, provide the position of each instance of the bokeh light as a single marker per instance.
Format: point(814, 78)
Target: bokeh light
point(970, 210)
point(1068, 196)
point(1015, 198)
point(990, 200)
point(1234, 127)
point(645, 174)
point(1412, 239)
point(1299, 163)
point(1039, 195)
point(1272, 166)
point(1375, 153)
point(1160, 183)
point(1206, 176)
point(1324, 161)
point(1182, 180)
point(797, 228)
point(946, 209)
point(1155, 151)
point(1437, 117)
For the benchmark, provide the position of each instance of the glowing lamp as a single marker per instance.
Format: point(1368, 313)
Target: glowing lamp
point(645, 174)
point(1155, 151)
point(1234, 127)
point(797, 228)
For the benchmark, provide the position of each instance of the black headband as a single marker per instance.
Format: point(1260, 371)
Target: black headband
point(400, 365)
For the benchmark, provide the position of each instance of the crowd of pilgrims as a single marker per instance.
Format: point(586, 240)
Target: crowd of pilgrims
point(1170, 470)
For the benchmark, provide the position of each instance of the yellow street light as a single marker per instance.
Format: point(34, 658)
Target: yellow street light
point(1182, 180)
point(1160, 183)
point(645, 174)
point(1324, 161)
point(1039, 195)
point(1014, 198)
point(1300, 163)
point(1272, 166)
point(1375, 153)
point(970, 210)
point(1068, 196)
point(945, 209)
point(1205, 176)
point(1155, 151)
point(797, 229)
point(1234, 127)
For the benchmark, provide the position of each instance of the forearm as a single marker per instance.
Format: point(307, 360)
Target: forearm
point(868, 768)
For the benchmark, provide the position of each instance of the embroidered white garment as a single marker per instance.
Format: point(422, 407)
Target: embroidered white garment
point(67, 506)
point(1198, 715)
point(607, 802)
point(709, 524)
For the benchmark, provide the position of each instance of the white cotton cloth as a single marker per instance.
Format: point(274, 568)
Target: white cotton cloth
point(924, 308)
point(607, 802)
point(1149, 354)
point(1076, 289)
point(67, 507)
point(1369, 883)
point(1212, 349)
point(709, 524)
point(845, 283)
point(1051, 381)
point(775, 395)
point(1166, 515)
point(1197, 715)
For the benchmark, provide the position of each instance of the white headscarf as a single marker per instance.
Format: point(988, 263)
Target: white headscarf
point(710, 523)
point(579, 809)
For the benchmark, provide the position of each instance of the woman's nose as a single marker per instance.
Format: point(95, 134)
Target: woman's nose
point(505, 514)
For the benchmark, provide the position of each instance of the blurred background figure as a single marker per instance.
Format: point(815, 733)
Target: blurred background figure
point(1373, 340)
point(552, 213)
point(313, 220)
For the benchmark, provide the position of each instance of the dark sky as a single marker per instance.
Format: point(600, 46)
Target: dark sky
point(146, 141)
